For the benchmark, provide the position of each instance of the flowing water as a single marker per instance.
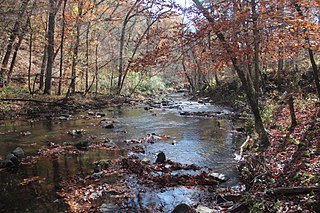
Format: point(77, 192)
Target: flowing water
point(207, 142)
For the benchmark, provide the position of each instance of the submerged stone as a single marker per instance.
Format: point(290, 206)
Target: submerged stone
point(182, 208)
point(108, 125)
point(19, 153)
point(83, 144)
point(219, 176)
point(13, 158)
point(161, 158)
point(204, 209)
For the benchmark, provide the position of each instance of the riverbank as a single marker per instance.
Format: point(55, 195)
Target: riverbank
point(284, 176)
point(100, 164)
point(44, 107)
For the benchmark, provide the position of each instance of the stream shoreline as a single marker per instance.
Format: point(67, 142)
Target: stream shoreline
point(132, 166)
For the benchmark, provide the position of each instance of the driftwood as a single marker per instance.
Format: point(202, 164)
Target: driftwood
point(295, 190)
point(246, 145)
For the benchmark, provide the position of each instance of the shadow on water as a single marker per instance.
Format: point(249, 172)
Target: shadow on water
point(207, 142)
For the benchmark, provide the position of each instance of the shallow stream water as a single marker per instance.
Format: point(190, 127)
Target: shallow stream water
point(208, 142)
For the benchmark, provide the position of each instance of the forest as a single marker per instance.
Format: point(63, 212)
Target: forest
point(258, 57)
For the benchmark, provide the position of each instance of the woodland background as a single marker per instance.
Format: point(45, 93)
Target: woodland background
point(263, 55)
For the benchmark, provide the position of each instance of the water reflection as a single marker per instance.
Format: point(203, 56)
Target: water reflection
point(202, 141)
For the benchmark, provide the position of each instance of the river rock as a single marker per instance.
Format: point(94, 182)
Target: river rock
point(101, 114)
point(161, 157)
point(219, 176)
point(108, 125)
point(6, 163)
point(11, 157)
point(83, 144)
point(76, 132)
point(19, 153)
point(101, 165)
point(90, 113)
point(26, 133)
point(64, 117)
point(182, 208)
point(204, 209)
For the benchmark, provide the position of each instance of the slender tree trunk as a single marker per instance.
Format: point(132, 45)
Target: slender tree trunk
point(62, 47)
point(279, 71)
point(30, 62)
point(87, 57)
point(53, 9)
point(121, 48)
point(292, 112)
point(256, 42)
point(76, 49)
point(281, 61)
point(14, 34)
point(310, 52)
point(15, 53)
point(43, 66)
point(315, 71)
point(50, 48)
point(88, 51)
point(245, 80)
point(96, 70)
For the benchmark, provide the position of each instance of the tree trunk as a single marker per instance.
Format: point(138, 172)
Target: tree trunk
point(96, 70)
point(30, 62)
point(245, 80)
point(87, 57)
point(15, 53)
point(62, 46)
point(311, 55)
point(14, 34)
point(292, 112)
point(256, 43)
point(315, 71)
point(43, 66)
point(76, 49)
point(50, 48)
point(279, 73)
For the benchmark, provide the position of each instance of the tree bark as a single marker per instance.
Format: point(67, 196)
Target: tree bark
point(310, 52)
point(53, 8)
point(62, 46)
point(15, 32)
point(315, 71)
point(292, 112)
point(256, 44)
point(30, 62)
point(43, 66)
point(76, 49)
point(247, 84)
point(15, 53)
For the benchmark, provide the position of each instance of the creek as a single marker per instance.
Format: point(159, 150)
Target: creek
point(205, 141)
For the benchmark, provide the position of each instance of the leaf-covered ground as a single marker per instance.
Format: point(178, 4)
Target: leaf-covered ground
point(286, 177)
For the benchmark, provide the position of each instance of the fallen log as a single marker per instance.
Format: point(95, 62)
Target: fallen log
point(26, 100)
point(295, 190)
